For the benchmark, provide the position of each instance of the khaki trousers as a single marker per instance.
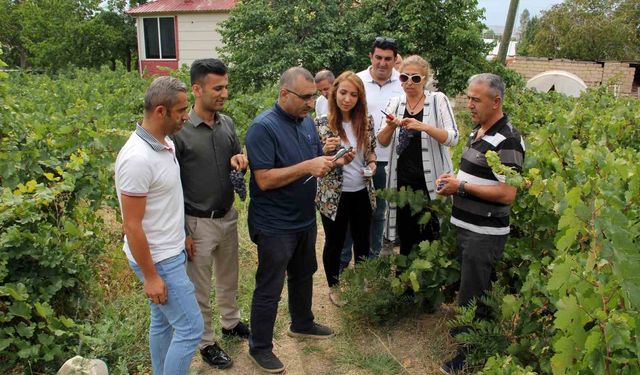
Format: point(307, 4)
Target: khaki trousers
point(216, 243)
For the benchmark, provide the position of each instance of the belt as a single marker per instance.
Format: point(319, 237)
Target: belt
point(211, 214)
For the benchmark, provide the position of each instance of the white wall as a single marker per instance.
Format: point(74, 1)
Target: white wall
point(197, 36)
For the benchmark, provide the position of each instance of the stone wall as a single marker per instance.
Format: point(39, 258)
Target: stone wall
point(592, 73)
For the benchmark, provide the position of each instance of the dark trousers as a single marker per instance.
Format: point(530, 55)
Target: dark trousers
point(478, 254)
point(410, 231)
point(293, 253)
point(354, 212)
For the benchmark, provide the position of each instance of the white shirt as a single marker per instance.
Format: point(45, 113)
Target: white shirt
point(322, 106)
point(377, 99)
point(147, 168)
point(352, 177)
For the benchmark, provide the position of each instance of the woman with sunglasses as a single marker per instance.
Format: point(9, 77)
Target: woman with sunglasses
point(346, 197)
point(420, 128)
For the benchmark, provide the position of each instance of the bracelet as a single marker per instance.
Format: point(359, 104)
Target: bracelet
point(461, 191)
point(371, 161)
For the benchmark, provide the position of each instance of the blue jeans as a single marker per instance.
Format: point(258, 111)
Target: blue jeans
point(377, 220)
point(176, 327)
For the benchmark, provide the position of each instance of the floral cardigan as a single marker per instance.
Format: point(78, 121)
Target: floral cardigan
point(330, 186)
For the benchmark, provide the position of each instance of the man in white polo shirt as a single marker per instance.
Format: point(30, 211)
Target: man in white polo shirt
point(381, 83)
point(324, 80)
point(150, 196)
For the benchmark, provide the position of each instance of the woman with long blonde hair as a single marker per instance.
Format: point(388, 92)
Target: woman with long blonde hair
point(420, 129)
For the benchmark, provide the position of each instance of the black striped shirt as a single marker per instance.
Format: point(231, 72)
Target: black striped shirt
point(476, 214)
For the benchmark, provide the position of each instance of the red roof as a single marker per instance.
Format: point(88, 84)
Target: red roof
point(183, 6)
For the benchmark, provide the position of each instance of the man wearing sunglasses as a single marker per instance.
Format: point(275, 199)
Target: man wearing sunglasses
point(381, 83)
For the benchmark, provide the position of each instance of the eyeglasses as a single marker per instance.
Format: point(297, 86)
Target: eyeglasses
point(381, 40)
point(306, 98)
point(415, 78)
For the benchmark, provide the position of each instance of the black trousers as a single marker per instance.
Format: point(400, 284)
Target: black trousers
point(295, 255)
point(354, 212)
point(478, 254)
point(409, 230)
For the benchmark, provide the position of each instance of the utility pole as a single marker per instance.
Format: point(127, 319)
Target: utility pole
point(508, 30)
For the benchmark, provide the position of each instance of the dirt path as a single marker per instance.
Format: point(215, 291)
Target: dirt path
point(418, 344)
point(300, 356)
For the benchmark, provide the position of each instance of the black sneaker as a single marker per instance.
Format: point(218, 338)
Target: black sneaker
point(267, 362)
point(454, 365)
point(318, 331)
point(240, 330)
point(216, 357)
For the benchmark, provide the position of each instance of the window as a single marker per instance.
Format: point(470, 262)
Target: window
point(159, 38)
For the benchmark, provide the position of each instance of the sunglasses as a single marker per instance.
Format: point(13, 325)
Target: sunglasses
point(415, 78)
point(306, 98)
point(382, 41)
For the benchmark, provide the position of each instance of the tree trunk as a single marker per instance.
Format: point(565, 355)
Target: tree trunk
point(508, 29)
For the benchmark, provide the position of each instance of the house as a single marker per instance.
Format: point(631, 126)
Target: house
point(172, 33)
point(511, 50)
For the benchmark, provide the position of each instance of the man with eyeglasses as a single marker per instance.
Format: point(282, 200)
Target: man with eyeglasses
point(284, 149)
point(381, 83)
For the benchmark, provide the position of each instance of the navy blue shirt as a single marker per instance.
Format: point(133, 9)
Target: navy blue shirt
point(276, 139)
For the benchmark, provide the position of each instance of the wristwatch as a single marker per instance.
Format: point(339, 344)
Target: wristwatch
point(461, 191)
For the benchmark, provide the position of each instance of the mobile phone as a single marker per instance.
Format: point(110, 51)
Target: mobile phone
point(342, 152)
point(389, 116)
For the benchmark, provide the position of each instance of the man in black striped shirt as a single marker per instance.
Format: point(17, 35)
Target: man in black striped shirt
point(481, 198)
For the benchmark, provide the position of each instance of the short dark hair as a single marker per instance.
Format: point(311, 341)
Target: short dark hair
point(200, 68)
point(385, 43)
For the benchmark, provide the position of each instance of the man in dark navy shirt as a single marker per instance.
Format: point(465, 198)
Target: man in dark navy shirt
point(284, 150)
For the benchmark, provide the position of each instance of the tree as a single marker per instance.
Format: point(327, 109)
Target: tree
point(526, 38)
point(525, 17)
point(590, 30)
point(52, 34)
point(264, 37)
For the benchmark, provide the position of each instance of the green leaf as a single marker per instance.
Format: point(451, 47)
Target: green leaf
point(24, 330)
point(17, 292)
point(567, 239)
point(594, 341)
point(5, 343)
point(421, 264)
point(510, 306)
point(43, 310)
point(20, 309)
point(415, 285)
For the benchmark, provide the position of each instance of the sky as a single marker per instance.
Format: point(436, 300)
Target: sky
point(496, 10)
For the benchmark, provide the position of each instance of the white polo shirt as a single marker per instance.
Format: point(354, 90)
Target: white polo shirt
point(322, 106)
point(377, 99)
point(147, 168)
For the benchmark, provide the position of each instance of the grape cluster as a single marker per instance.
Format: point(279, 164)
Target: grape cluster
point(237, 180)
point(403, 140)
